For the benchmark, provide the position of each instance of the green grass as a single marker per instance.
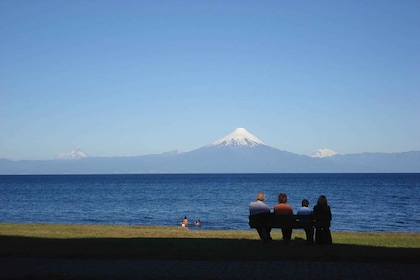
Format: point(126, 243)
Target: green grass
point(148, 242)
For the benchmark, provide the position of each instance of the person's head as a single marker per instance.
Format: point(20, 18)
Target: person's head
point(282, 198)
point(322, 200)
point(260, 196)
point(305, 203)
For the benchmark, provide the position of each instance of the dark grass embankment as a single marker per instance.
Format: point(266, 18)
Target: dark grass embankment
point(122, 242)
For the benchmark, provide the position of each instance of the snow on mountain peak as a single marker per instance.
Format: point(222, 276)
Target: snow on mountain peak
point(322, 153)
point(240, 137)
point(76, 154)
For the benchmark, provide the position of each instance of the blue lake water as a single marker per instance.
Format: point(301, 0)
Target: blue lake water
point(359, 202)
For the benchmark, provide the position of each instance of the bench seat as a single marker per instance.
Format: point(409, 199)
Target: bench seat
point(281, 221)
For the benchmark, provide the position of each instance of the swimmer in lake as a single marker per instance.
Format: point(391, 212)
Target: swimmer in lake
point(184, 222)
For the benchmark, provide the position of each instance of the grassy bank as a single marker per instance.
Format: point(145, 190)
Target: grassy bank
point(114, 242)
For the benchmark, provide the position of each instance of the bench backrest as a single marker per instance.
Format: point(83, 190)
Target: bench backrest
point(281, 221)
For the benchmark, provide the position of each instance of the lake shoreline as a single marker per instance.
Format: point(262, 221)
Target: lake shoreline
point(160, 243)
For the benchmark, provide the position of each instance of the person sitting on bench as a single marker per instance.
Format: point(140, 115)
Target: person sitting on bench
point(309, 230)
point(282, 208)
point(260, 208)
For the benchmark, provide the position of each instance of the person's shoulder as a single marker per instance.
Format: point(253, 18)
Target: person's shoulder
point(283, 207)
point(256, 203)
point(264, 204)
point(286, 206)
point(304, 211)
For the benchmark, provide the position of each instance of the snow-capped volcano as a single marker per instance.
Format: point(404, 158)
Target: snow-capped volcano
point(322, 153)
point(240, 137)
point(76, 154)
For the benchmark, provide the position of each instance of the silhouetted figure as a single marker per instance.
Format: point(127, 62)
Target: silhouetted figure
point(323, 217)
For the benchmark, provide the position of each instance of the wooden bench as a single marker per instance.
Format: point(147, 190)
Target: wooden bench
point(281, 221)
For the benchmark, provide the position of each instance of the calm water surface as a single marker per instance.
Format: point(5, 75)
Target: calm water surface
point(359, 202)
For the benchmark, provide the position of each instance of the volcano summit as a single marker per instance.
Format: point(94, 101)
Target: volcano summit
point(240, 137)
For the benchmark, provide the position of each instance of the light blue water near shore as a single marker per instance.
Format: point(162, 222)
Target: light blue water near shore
point(359, 202)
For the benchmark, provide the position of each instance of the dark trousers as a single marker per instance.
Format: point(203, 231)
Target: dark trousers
point(287, 234)
point(309, 235)
point(264, 233)
point(323, 236)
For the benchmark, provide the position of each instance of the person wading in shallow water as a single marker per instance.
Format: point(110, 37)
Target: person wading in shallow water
point(184, 222)
point(259, 208)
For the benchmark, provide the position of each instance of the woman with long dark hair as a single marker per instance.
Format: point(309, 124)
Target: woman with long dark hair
point(323, 217)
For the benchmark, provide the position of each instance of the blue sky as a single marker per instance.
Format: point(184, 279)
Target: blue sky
point(125, 78)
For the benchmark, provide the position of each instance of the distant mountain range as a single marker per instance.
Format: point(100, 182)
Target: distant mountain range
point(238, 152)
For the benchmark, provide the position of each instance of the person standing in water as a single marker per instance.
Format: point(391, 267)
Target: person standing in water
point(184, 222)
